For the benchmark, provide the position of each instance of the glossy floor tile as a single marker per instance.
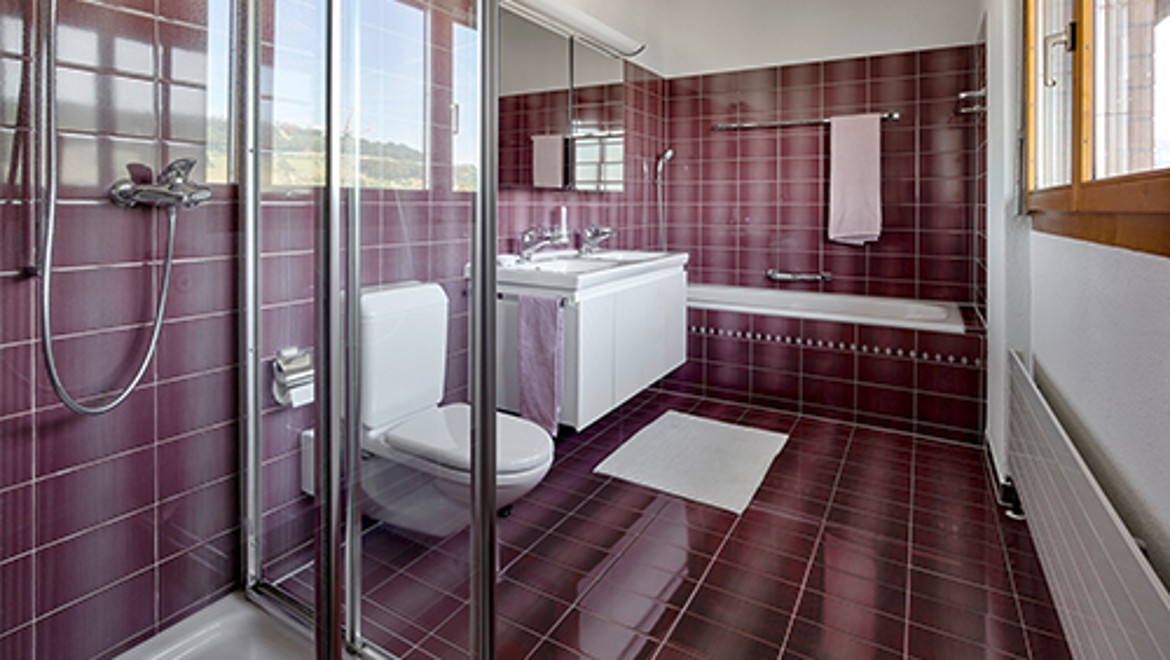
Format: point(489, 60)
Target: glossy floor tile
point(860, 543)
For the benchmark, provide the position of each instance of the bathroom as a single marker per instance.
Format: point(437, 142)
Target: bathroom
point(336, 143)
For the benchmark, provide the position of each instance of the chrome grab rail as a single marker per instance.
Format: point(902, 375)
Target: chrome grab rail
point(779, 276)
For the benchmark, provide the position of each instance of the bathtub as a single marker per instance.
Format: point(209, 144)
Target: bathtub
point(933, 316)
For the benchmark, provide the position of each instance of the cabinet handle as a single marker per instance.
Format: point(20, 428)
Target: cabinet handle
point(1066, 38)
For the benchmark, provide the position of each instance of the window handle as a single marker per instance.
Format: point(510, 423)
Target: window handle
point(1066, 38)
point(455, 119)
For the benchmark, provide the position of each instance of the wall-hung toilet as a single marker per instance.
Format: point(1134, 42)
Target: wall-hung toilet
point(416, 458)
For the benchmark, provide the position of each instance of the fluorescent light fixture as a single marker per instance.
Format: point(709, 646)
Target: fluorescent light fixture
point(570, 21)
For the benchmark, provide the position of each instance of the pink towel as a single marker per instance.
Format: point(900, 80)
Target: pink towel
point(855, 186)
point(548, 161)
point(541, 329)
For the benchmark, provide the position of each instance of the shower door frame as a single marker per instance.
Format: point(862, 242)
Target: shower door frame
point(336, 354)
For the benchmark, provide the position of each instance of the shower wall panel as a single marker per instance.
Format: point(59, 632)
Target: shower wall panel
point(119, 525)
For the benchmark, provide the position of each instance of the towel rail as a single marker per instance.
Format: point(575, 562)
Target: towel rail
point(741, 126)
point(516, 296)
point(780, 276)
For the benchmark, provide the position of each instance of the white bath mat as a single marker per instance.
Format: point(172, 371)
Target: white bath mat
point(700, 459)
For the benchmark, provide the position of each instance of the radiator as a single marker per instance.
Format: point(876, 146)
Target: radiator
point(1110, 602)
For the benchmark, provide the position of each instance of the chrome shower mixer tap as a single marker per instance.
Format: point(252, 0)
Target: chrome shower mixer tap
point(172, 189)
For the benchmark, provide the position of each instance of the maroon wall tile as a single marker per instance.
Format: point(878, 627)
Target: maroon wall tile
point(91, 495)
point(17, 536)
point(918, 84)
point(16, 396)
point(193, 578)
point(197, 402)
point(16, 450)
point(197, 516)
point(99, 622)
point(919, 382)
point(195, 460)
point(16, 595)
point(89, 561)
point(66, 440)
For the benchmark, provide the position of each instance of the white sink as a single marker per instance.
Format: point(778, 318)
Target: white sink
point(565, 265)
point(567, 271)
point(624, 256)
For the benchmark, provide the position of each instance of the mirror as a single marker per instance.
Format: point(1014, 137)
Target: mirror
point(561, 107)
point(596, 120)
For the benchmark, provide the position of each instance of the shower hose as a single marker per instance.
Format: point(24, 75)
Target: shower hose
point(46, 59)
point(47, 316)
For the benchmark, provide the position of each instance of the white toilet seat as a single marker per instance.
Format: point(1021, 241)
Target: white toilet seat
point(437, 441)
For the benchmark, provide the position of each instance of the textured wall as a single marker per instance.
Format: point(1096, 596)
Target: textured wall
point(744, 201)
point(114, 526)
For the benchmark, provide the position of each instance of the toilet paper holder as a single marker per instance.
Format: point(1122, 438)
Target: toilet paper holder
point(292, 377)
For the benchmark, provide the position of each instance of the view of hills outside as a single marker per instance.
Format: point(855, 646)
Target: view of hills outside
point(298, 159)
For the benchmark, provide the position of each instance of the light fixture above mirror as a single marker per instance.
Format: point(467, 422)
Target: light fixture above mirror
point(572, 22)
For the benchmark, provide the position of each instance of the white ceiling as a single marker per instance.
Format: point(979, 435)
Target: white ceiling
point(686, 37)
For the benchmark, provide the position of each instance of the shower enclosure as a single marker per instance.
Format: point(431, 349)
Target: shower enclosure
point(359, 168)
point(342, 145)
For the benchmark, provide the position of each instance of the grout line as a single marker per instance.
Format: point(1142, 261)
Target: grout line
point(817, 544)
point(683, 610)
point(909, 552)
point(1011, 575)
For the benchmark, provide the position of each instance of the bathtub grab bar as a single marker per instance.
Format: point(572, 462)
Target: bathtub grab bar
point(515, 296)
point(778, 276)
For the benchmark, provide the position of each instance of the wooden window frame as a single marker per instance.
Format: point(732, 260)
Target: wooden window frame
point(1130, 211)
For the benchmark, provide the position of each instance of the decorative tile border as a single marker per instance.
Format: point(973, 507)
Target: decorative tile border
point(812, 342)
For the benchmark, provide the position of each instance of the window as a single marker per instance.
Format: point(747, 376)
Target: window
point(1099, 125)
point(1054, 95)
point(465, 109)
point(1131, 95)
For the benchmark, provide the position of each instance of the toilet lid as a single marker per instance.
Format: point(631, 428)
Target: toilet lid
point(443, 436)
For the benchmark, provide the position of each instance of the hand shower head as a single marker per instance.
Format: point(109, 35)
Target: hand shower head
point(666, 156)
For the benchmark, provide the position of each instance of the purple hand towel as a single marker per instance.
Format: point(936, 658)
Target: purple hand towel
point(541, 329)
point(855, 189)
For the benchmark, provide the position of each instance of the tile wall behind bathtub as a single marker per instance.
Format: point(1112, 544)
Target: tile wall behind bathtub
point(114, 526)
point(744, 201)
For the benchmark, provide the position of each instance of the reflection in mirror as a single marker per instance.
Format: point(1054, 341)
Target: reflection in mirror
point(534, 84)
point(539, 67)
point(596, 120)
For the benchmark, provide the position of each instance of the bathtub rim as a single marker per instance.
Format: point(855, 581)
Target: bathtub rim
point(952, 324)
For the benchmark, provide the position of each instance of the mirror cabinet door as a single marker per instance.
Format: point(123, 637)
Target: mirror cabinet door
point(561, 111)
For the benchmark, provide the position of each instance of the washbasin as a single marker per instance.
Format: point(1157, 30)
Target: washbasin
point(571, 265)
point(623, 256)
point(567, 271)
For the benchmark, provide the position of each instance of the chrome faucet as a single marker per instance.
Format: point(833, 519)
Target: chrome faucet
point(172, 189)
point(592, 236)
point(532, 240)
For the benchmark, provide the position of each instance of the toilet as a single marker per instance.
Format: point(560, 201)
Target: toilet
point(416, 454)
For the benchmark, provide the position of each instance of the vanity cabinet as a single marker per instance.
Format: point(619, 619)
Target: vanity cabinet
point(619, 338)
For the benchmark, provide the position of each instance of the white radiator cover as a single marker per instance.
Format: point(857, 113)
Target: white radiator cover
point(1110, 602)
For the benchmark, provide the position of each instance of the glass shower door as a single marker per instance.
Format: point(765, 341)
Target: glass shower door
point(414, 141)
point(408, 167)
